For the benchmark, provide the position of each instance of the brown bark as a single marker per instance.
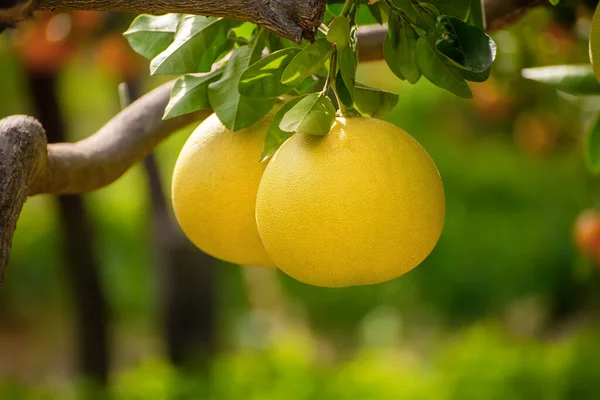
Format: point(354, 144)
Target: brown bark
point(22, 148)
point(103, 157)
point(292, 19)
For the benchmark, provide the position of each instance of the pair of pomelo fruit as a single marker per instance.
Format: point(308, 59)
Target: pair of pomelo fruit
point(361, 205)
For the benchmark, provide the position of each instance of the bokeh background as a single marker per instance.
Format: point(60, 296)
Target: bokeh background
point(105, 299)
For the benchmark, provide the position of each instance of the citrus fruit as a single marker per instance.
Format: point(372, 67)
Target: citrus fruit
point(214, 189)
point(361, 205)
point(594, 45)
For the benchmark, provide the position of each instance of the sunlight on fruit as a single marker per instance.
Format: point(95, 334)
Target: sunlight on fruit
point(361, 205)
point(214, 190)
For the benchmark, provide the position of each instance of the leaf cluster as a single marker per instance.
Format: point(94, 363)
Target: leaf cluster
point(242, 71)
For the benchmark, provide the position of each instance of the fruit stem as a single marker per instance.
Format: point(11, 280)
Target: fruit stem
point(347, 7)
point(328, 82)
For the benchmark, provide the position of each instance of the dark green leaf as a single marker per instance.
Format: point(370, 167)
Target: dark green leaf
point(263, 78)
point(346, 63)
point(275, 136)
point(372, 102)
point(476, 76)
point(376, 13)
point(314, 114)
point(426, 15)
point(476, 16)
point(455, 8)
point(234, 110)
point(407, 8)
point(306, 63)
point(573, 79)
point(592, 146)
point(402, 41)
point(339, 32)
point(189, 94)
point(343, 92)
point(149, 35)
point(389, 54)
point(464, 45)
point(198, 43)
point(438, 69)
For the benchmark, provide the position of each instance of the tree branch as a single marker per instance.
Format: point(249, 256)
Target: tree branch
point(100, 159)
point(23, 143)
point(28, 166)
point(292, 19)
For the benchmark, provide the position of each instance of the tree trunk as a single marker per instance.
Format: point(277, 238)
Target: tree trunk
point(82, 270)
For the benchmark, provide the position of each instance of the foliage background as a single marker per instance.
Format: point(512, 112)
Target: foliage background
point(505, 306)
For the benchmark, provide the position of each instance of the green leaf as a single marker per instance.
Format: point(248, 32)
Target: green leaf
point(592, 146)
point(476, 14)
point(149, 35)
point(455, 8)
point(464, 45)
point(190, 93)
point(573, 79)
point(343, 92)
point(198, 43)
point(402, 41)
point(376, 12)
point(339, 32)
point(306, 85)
point(234, 110)
point(306, 63)
point(263, 78)
point(346, 63)
point(407, 8)
point(242, 33)
point(476, 76)
point(372, 102)
point(438, 69)
point(426, 15)
point(314, 114)
point(389, 54)
point(275, 136)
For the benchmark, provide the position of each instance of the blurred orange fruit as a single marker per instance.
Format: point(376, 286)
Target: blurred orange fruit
point(46, 44)
point(115, 56)
point(587, 233)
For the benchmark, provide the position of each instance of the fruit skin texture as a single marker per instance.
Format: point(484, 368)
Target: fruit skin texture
point(594, 45)
point(361, 205)
point(214, 189)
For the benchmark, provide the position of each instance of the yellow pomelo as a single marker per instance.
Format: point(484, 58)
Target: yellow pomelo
point(214, 189)
point(595, 43)
point(361, 205)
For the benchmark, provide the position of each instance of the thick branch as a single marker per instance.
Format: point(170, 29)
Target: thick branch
point(23, 144)
point(28, 166)
point(292, 19)
point(100, 159)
